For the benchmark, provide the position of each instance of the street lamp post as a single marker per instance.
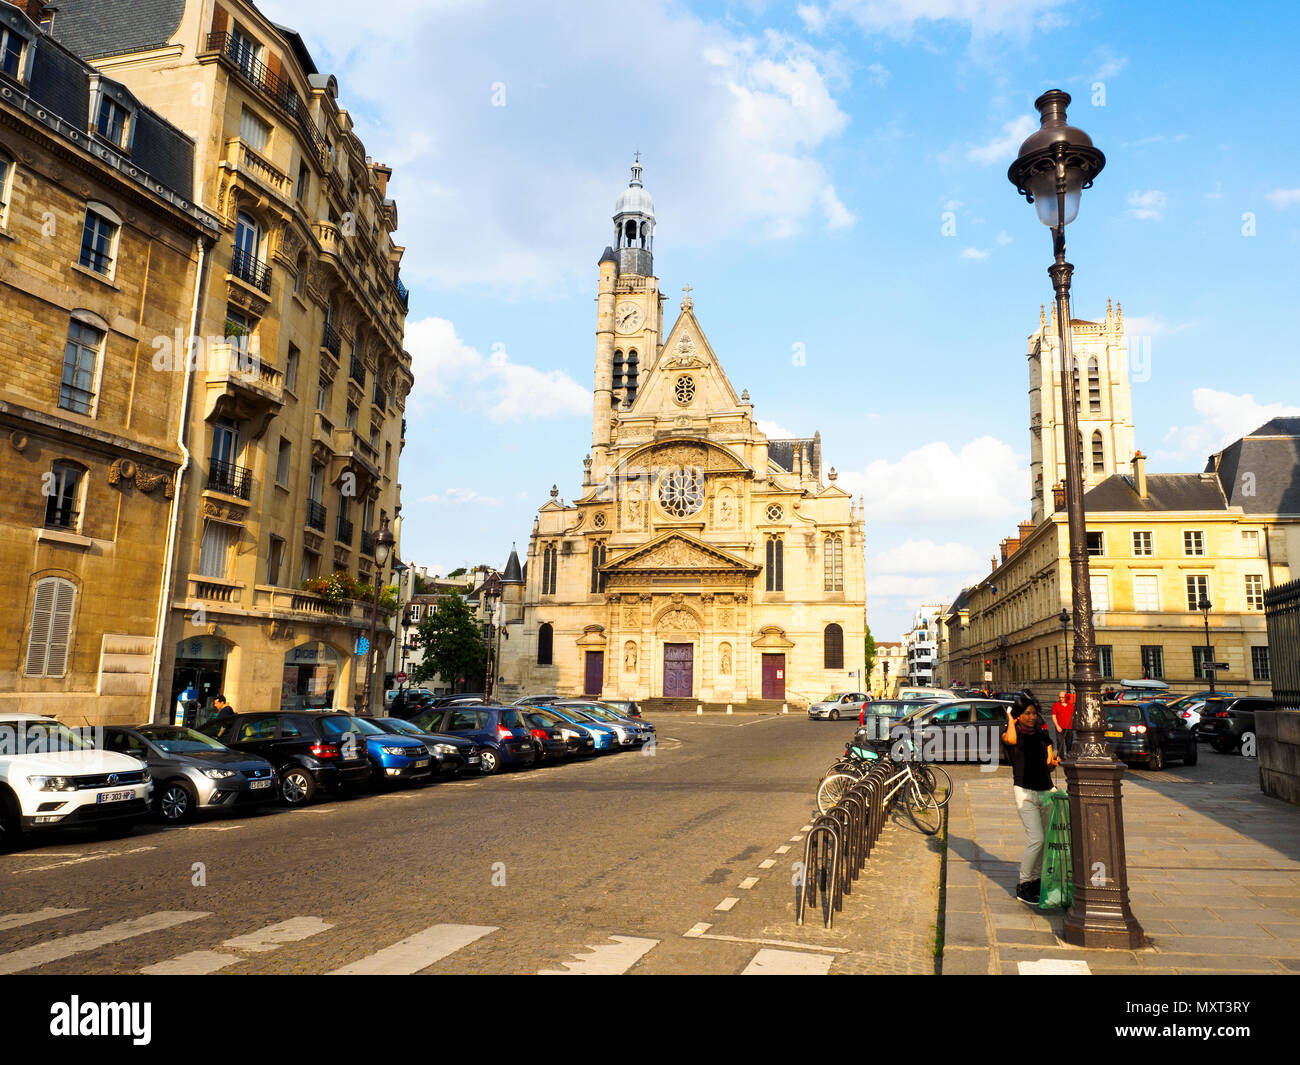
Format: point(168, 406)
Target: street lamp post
point(383, 546)
point(1204, 606)
point(1065, 643)
point(491, 596)
point(1055, 164)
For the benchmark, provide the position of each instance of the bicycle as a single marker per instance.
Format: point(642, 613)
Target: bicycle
point(859, 764)
point(919, 797)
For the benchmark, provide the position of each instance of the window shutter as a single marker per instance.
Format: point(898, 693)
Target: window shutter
point(56, 662)
point(273, 68)
point(220, 20)
point(39, 636)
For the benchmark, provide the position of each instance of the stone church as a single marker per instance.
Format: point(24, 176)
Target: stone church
point(700, 559)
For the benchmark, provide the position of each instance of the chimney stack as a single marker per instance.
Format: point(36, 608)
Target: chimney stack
point(1140, 473)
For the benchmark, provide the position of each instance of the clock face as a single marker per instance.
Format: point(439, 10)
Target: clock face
point(628, 317)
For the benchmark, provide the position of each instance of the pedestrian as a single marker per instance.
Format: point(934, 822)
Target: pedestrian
point(1032, 759)
point(1064, 720)
point(397, 708)
point(223, 708)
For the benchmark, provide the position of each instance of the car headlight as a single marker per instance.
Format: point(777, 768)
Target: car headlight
point(53, 783)
point(443, 748)
point(145, 775)
point(398, 752)
point(568, 734)
point(214, 774)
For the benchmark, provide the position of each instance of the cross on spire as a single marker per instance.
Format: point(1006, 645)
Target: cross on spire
point(687, 302)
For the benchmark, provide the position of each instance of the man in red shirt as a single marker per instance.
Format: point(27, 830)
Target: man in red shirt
point(1063, 716)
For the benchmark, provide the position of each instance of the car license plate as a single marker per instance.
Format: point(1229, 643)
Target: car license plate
point(260, 783)
point(1114, 735)
point(115, 796)
point(473, 760)
point(421, 763)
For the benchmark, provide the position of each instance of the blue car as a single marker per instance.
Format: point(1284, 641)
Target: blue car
point(601, 737)
point(394, 758)
point(499, 732)
point(631, 733)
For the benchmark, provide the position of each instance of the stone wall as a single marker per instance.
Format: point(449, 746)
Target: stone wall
point(1277, 733)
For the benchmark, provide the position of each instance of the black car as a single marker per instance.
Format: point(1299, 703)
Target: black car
point(1148, 732)
point(956, 730)
point(309, 749)
point(548, 737)
point(451, 754)
point(1230, 723)
point(580, 740)
point(502, 738)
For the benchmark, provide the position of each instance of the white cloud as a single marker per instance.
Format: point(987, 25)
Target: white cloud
point(1004, 238)
point(1224, 417)
point(984, 479)
point(926, 556)
point(880, 74)
point(1283, 198)
point(1002, 148)
point(773, 431)
point(982, 18)
point(974, 253)
point(952, 205)
point(837, 215)
point(814, 19)
point(1108, 65)
point(1153, 325)
point(1149, 205)
point(506, 391)
point(455, 497)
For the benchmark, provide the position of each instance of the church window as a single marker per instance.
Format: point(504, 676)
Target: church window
point(775, 564)
point(775, 512)
point(1098, 454)
point(834, 564)
point(545, 643)
point(598, 579)
point(833, 647)
point(629, 374)
point(618, 369)
point(681, 490)
point(1094, 385)
point(684, 390)
point(548, 570)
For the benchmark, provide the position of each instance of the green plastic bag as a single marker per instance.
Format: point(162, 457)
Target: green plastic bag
point(1057, 891)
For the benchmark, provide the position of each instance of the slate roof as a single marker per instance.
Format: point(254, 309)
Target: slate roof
point(513, 574)
point(1261, 472)
point(782, 452)
point(97, 28)
point(1165, 492)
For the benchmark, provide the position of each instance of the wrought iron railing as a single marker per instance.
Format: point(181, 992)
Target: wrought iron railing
point(403, 293)
point(59, 515)
point(248, 268)
point(357, 371)
point(343, 533)
point(315, 515)
point(368, 544)
point(330, 340)
point(231, 479)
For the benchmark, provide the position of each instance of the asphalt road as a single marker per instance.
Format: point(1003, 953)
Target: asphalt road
point(519, 873)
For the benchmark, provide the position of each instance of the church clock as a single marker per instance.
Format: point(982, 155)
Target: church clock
point(628, 317)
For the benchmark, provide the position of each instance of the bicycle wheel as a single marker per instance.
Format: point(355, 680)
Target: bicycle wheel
point(939, 782)
point(922, 809)
point(833, 788)
point(853, 769)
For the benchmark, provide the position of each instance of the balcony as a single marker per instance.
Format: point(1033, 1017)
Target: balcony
point(328, 235)
point(315, 515)
point(368, 544)
point(379, 397)
point(229, 479)
point(213, 589)
point(352, 449)
point(330, 340)
point(323, 431)
point(250, 270)
point(245, 160)
point(403, 294)
point(240, 385)
point(357, 371)
point(343, 531)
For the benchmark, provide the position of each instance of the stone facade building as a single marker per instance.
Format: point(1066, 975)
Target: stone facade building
point(889, 670)
point(700, 559)
point(101, 251)
point(295, 423)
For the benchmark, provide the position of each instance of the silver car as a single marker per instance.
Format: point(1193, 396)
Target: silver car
point(838, 705)
point(192, 772)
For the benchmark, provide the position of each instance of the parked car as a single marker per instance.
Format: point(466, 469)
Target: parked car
point(192, 772)
point(926, 693)
point(393, 759)
point(879, 715)
point(1139, 691)
point(625, 707)
point(549, 740)
point(603, 737)
point(838, 705)
point(52, 777)
point(630, 733)
point(450, 754)
point(959, 730)
point(579, 739)
point(1197, 697)
point(1148, 732)
point(536, 700)
point(1190, 712)
point(310, 749)
point(410, 693)
point(1229, 723)
point(497, 731)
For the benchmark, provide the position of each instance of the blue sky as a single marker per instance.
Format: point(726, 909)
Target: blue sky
point(802, 158)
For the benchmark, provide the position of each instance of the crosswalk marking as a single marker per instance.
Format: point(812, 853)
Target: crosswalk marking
point(17, 920)
point(607, 959)
point(416, 952)
point(771, 962)
point(65, 946)
point(203, 962)
point(88, 858)
point(195, 963)
point(1054, 967)
point(726, 904)
point(767, 863)
point(748, 883)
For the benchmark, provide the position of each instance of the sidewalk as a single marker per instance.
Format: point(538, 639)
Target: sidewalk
point(1214, 877)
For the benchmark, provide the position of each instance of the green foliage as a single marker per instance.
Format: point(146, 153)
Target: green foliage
point(423, 586)
point(458, 572)
point(453, 645)
point(870, 653)
point(341, 587)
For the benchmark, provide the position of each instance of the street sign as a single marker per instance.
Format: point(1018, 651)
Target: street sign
point(1218, 666)
point(988, 675)
point(401, 678)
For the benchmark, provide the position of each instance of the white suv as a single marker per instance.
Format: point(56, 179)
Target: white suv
point(52, 776)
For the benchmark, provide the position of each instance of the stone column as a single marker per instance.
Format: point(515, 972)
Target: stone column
point(744, 651)
point(707, 665)
point(646, 660)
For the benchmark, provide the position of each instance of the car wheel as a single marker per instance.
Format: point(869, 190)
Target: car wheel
point(488, 761)
point(1191, 754)
point(297, 787)
point(176, 803)
point(1156, 761)
point(11, 830)
point(835, 715)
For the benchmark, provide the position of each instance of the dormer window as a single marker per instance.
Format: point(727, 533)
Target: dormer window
point(112, 115)
point(112, 120)
point(14, 53)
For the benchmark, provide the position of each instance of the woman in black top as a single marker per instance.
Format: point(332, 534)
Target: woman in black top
point(1032, 759)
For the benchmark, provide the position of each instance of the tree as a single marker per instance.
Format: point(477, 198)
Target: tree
point(453, 644)
point(870, 656)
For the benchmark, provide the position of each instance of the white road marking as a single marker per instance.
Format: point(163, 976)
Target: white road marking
point(1054, 967)
point(806, 828)
point(65, 946)
point(696, 930)
point(726, 904)
point(783, 850)
point(216, 828)
point(293, 930)
point(795, 839)
point(17, 920)
point(748, 883)
point(770, 962)
point(416, 952)
point(88, 858)
point(195, 963)
point(767, 863)
point(757, 721)
point(607, 959)
point(770, 942)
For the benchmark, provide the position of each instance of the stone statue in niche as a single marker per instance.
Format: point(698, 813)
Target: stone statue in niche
point(724, 660)
point(629, 657)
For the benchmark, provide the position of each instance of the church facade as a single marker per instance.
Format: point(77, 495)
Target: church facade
point(700, 559)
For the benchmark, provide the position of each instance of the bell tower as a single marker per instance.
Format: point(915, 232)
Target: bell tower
point(629, 316)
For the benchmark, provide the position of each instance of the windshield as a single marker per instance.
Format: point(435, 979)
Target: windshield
point(1123, 715)
point(893, 706)
point(835, 697)
point(575, 714)
point(176, 740)
point(398, 725)
point(602, 715)
point(39, 737)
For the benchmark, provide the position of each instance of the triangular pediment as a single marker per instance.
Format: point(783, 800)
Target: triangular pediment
point(687, 378)
point(678, 553)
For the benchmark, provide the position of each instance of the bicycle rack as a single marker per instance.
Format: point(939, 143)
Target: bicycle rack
point(823, 837)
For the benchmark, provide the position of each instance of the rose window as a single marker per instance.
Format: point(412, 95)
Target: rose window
point(774, 512)
point(681, 490)
point(684, 390)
